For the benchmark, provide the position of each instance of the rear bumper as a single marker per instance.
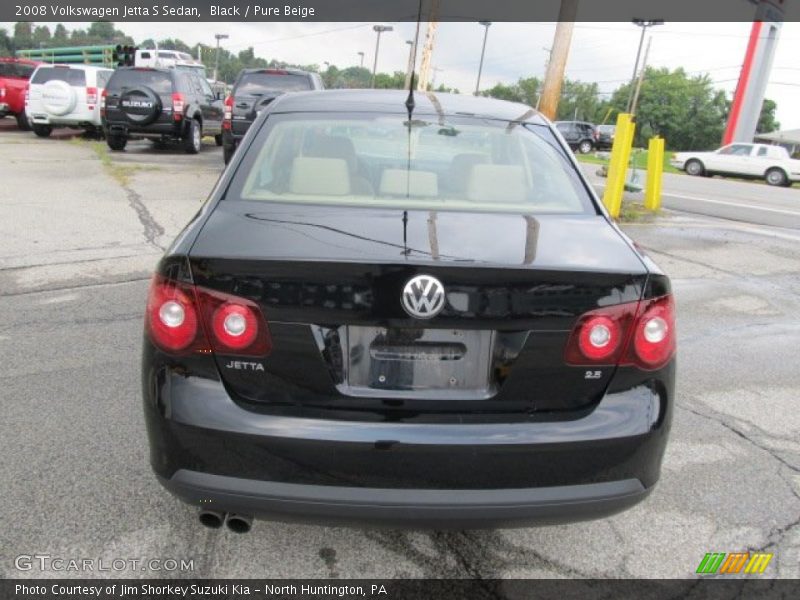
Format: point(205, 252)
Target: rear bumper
point(424, 508)
point(210, 451)
point(159, 129)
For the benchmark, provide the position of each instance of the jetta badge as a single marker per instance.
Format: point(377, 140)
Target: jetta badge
point(423, 297)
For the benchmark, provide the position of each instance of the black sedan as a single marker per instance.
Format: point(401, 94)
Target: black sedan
point(408, 313)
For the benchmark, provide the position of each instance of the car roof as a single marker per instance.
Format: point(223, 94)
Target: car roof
point(279, 69)
point(393, 101)
point(24, 61)
point(75, 67)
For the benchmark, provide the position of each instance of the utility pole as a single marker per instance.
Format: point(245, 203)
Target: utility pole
point(410, 67)
point(218, 37)
point(644, 25)
point(379, 29)
point(554, 77)
point(635, 101)
point(483, 51)
point(361, 54)
point(427, 49)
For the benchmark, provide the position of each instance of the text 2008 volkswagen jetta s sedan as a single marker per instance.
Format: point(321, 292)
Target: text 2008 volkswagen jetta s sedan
point(410, 313)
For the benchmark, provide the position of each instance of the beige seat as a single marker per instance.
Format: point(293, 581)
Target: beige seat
point(402, 182)
point(319, 176)
point(337, 146)
point(497, 183)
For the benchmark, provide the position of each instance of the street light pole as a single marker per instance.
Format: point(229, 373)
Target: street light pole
point(644, 24)
point(483, 51)
point(361, 54)
point(218, 36)
point(410, 66)
point(379, 29)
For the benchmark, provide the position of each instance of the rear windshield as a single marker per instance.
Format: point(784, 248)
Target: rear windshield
point(10, 69)
point(158, 81)
point(71, 76)
point(427, 163)
point(252, 84)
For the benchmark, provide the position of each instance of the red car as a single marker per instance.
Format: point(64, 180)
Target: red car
point(14, 76)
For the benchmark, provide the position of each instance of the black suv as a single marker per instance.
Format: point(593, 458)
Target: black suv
point(252, 91)
point(161, 104)
point(580, 136)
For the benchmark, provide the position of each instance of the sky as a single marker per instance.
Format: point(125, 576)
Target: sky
point(600, 52)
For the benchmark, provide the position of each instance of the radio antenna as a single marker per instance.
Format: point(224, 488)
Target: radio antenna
point(410, 103)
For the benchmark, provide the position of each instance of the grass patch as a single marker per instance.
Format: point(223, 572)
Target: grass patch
point(120, 173)
point(638, 160)
point(635, 212)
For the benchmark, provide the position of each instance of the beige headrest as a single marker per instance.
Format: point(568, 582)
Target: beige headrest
point(400, 182)
point(319, 176)
point(497, 183)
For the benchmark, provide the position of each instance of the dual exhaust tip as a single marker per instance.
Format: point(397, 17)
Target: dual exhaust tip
point(214, 519)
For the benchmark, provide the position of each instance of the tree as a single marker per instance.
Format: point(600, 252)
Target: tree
point(60, 36)
point(6, 44)
point(580, 101)
point(41, 37)
point(767, 122)
point(23, 36)
point(686, 111)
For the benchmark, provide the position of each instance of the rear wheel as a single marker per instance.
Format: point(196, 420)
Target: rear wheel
point(218, 139)
point(585, 147)
point(695, 167)
point(193, 139)
point(22, 122)
point(42, 130)
point(117, 142)
point(776, 177)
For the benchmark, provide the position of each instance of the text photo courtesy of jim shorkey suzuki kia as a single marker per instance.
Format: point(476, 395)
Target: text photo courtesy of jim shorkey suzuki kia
point(430, 304)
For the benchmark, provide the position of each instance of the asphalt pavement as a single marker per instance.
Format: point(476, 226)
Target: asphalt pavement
point(80, 239)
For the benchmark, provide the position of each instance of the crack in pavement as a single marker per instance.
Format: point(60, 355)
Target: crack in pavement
point(74, 287)
point(152, 229)
point(719, 419)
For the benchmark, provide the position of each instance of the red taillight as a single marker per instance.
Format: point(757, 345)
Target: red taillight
point(235, 325)
point(641, 334)
point(178, 104)
point(654, 337)
point(228, 116)
point(91, 96)
point(599, 336)
point(182, 319)
point(172, 315)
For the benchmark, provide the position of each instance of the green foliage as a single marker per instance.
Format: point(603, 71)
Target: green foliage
point(767, 122)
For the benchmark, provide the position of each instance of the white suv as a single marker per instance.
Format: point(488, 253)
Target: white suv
point(65, 96)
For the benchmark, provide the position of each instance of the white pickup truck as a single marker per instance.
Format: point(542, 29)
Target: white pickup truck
point(755, 161)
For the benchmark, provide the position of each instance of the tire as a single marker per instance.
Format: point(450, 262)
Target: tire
point(227, 153)
point(22, 122)
point(117, 142)
point(218, 139)
point(776, 177)
point(42, 131)
point(585, 147)
point(193, 139)
point(694, 168)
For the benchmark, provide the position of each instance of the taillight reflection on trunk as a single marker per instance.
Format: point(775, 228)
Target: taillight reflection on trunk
point(184, 319)
point(641, 334)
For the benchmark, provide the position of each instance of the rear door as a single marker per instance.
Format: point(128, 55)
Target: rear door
point(55, 90)
point(139, 96)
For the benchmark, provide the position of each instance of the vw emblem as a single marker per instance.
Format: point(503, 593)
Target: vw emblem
point(423, 297)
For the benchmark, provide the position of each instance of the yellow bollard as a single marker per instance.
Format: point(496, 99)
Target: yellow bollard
point(618, 165)
point(655, 171)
